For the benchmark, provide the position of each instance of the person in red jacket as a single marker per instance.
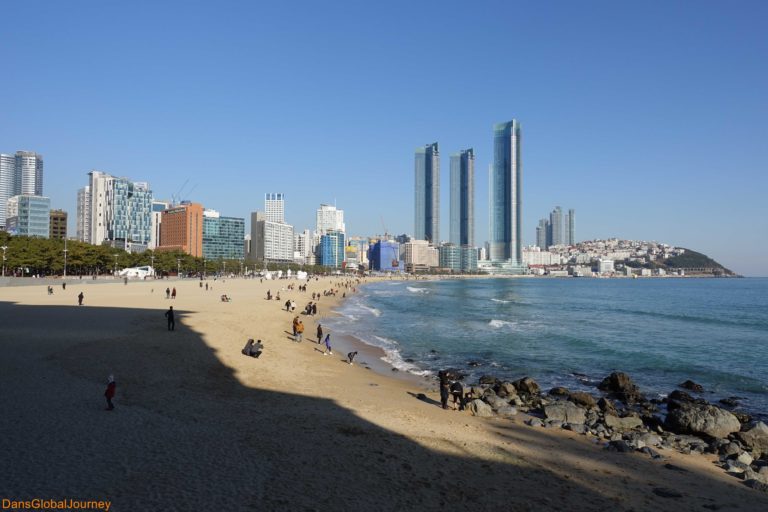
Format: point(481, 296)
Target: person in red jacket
point(109, 394)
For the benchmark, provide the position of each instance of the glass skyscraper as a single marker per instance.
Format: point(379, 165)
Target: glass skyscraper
point(506, 197)
point(29, 215)
point(332, 249)
point(462, 231)
point(222, 237)
point(427, 199)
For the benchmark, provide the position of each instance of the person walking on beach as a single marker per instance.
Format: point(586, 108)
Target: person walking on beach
point(80, 299)
point(299, 331)
point(171, 320)
point(351, 357)
point(319, 334)
point(457, 390)
point(442, 375)
point(327, 345)
point(109, 394)
point(314, 308)
point(167, 293)
point(288, 305)
point(295, 326)
point(63, 286)
point(173, 293)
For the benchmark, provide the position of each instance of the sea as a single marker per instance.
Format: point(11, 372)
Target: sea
point(572, 332)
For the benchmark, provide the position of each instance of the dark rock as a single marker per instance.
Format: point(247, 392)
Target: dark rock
point(559, 391)
point(692, 386)
point(506, 411)
point(566, 412)
point(757, 485)
point(619, 446)
point(582, 398)
point(473, 364)
point(488, 380)
point(621, 387)
point(756, 438)
point(675, 468)
point(702, 419)
point(495, 401)
point(666, 492)
point(395, 370)
point(575, 427)
point(607, 406)
point(509, 389)
point(534, 422)
point(651, 452)
point(408, 360)
point(742, 417)
point(527, 385)
point(730, 402)
point(729, 449)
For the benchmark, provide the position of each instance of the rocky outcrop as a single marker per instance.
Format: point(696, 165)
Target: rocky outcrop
point(618, 385)
point(565, 412)
point(527, 385)
point(582, 398)
point(692, 386)
point(702, 419)
point(622, 424)
point(479, 408)
point(756, 438)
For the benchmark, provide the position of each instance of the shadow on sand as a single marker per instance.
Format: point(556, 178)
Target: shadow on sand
point(187, 435)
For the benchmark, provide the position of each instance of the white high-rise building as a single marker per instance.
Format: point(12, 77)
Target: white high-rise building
point(421, 255)
point(329, 218)
point(7, 184)
point(274, 207)
point(158, 207)
point(84, 214)
point(29, 173)
point(270, 241)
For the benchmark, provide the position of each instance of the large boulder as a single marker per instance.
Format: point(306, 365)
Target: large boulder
point(527, 385)
point(565, 412)
point(495, 402)
point(506, 390)
point(480, 408)
point(756, 438)
point(607, 406)
point(488, 380)
point(702, 419)
point(621, 387)
point(690, 385)
point(582, 398)
point(622, 424)
point(560, 391)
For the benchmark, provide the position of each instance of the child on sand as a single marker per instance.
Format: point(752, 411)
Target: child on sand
point(327, 345)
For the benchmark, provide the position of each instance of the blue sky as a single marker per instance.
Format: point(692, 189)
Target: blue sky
point(647, 118)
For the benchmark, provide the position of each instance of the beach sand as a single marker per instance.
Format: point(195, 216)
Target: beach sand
point(199, 426)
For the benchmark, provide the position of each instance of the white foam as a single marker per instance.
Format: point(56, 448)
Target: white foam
point(373, 311)
point(416, 290)
point(502, 301)
point(498, 324)
point(392, 357)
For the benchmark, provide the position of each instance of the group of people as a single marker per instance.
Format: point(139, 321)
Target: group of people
point(450, 386)
point(170, 294)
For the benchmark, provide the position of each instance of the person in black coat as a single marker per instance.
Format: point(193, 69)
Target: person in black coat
point(171, 320)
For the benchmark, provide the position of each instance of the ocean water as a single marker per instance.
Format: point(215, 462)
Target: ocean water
point(574, 332)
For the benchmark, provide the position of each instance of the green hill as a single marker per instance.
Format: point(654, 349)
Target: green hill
point(693, 259)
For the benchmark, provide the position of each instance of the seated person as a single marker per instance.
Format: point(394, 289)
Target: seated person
point(224, 298)
point(253, 350)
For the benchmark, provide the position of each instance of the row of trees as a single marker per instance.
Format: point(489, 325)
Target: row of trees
point(25, 256)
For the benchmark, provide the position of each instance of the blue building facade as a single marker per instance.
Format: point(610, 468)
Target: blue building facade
point(384, 256)
point(223, 238)
point(29, 216)
point(332, 249)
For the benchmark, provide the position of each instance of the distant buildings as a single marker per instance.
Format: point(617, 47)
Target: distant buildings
point(506, 198)
point(329, 218)
point(116, 211)
point(420, 256)
point(271, 240)
point(555, 227)
point(570, 227)
point(58, 225)
point(427, 194)
point(158, 207)
point(20, 174)
point(181, 229)
point(384, 256)
point(462, 231)
point(222, 236)
point(332, 249)
point(556, 232)
point(28, 215)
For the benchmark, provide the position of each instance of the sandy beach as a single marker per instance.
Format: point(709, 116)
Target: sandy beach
point(199, 426)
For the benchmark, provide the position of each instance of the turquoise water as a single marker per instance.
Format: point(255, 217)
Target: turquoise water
point(573, 332)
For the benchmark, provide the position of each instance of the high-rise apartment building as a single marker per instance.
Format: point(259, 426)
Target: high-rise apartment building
point(58, 225)
point(420, 256)
point(427, 194)
point(542, 234)
point(556, 227)
point(570, 227)
point(7, 184)
point(270, 241)
point(181, 229)
point(274, 207)
point(83, 214)
point(332, 249)
point(222, 236)
point(506, 199)
point(158, 207)
point(29, 173)
point(118, 212)
point(462, 232)
point(329, 218)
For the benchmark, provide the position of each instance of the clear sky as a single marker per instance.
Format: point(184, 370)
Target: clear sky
point(648, 118)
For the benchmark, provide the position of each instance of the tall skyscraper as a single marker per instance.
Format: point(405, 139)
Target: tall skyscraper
point(427, 199)
point(29, 173)
point(542, 234)
point(570, 227)
point(7, 184)
point(556, 226)
point(274, 207)
point(506, 197)
point(329, 218)
point(83, 214)
point(462, 232)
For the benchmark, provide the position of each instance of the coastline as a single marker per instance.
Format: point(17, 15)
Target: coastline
point(285, 431)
